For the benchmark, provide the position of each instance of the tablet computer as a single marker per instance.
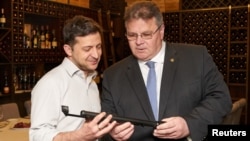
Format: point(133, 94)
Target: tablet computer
point(91, 115)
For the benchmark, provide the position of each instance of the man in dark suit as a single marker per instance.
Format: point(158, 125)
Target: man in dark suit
point(190, 91)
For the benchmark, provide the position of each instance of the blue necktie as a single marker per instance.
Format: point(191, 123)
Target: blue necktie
point(151, 88)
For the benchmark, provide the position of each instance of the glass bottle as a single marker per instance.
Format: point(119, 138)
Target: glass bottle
point(34, 39)
point(6, 88)
point(2, 18)
point(26, 40)
point(15, 80)
point(42, 38)
point(54, 41)
point(47, 38)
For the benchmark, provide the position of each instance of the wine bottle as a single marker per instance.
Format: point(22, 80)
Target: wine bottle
point(26, 40)
point(34, 39)
point(6, 88)
point(2, 18)
point(42, 38)
point(47, 38)
point(54, 41)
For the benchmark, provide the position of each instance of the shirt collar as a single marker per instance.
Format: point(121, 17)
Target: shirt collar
point(72, 69)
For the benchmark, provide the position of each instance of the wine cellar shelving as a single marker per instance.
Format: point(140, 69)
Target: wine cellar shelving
point(24, 65)
point(225, 33)
point(201, 4)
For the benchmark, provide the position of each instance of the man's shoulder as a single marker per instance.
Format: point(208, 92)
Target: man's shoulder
point(185, 45)
point(186, 48)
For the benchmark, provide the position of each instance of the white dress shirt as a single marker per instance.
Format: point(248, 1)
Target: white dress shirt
point(64, 85)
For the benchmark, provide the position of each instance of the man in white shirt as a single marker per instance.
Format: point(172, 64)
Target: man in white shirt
point(71, 84)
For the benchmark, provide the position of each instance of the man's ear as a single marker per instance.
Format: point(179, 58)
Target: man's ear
point(67, 49)
point(162, 31)
point(162, 28)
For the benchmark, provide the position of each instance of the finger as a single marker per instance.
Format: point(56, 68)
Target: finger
point(165, 125)
point(99, 127)
point(165, 128)
point(121, 127)
point(106, 129)
point(105, 121)
point(123, 131)
point(164, 132)
point(99, 118)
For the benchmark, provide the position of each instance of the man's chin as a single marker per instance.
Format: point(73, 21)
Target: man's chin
point(92, 68)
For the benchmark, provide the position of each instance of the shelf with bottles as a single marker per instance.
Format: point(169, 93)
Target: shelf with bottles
point(2, 18)
point(33, 6)
point(37, 39)
point(239, 31)
point(238, 50)
point(4, 44)
point(42, 7)
point(4, 32)
point(5, 51)
point(25, 76)
point(237, 77)
point(239, 17)
point(46, 30)
point(238, 63)
point(238, 34)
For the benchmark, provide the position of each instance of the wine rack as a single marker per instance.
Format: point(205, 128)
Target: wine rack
point(172, 26)
point(31, 63)
point(225, 33)
point(208, 28)
point(4, 46)
point(201, 4)
point(238, 54)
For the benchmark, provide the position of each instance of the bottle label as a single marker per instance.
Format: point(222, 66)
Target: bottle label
point(28, 44)
point(42, 37)
point(42, 43)
point(54, 44)
point(35, 43)
point(2, 20)
point(6, 89)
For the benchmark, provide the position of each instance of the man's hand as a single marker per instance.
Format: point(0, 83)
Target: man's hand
point(122, 132)
point(90, 130)
point(172, 128)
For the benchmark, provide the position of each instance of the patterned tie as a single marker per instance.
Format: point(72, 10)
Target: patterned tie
point(151, 88)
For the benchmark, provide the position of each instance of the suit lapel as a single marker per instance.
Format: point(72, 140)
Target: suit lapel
point(169, 69)
point(137, 83)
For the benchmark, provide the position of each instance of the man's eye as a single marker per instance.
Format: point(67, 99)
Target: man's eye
point(132, 35)
point(99, 47)
point(146, 34)
point(86, 48)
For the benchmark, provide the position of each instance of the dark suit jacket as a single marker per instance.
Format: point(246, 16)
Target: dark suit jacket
point(191, 87)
